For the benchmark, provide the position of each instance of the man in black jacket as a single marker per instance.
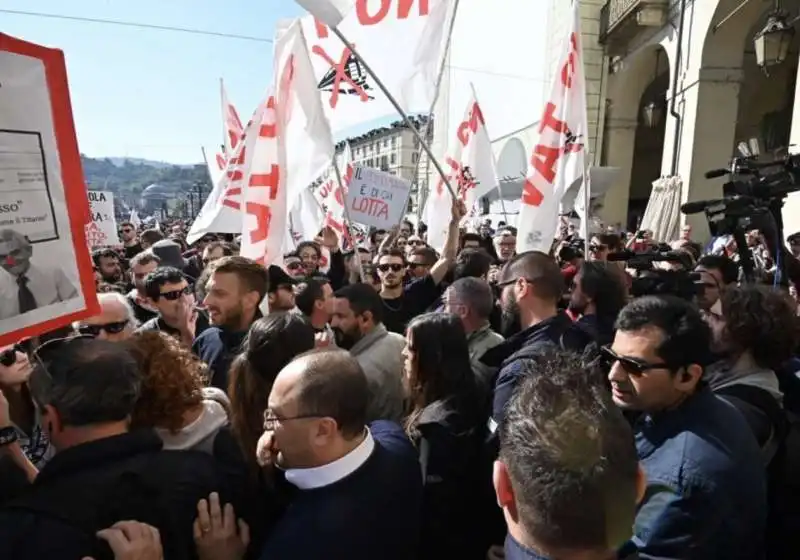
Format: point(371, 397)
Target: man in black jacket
point(86, 390)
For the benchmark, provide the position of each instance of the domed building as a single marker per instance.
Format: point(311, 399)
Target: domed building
point(155, 198)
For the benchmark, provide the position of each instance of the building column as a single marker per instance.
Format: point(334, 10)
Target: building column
point(791, 208)
point(709, 109)
point(621, 141)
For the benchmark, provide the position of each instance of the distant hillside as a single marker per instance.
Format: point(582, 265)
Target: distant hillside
point(129, 176)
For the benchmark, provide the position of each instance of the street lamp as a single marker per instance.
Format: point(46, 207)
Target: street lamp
point(772, 42)
point(652, 114)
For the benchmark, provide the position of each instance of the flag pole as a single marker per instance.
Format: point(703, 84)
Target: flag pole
point(422, 142)
point(224, 118)
point(436, 93)
point(339, 180)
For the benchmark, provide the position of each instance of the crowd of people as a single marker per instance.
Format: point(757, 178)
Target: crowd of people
point(401, 403)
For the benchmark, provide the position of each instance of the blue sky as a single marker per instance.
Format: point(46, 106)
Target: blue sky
point(155, 94)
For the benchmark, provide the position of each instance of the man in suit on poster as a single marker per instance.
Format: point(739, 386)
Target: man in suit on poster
point(26, 286)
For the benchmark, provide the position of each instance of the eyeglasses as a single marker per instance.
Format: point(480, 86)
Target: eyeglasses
point(95, 330)
point(392, 267)
point(175, 294)
point(632, 366)
point(8, 357)
point(271, 422)
point(414, 243)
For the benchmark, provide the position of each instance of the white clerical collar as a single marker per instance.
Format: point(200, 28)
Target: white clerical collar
point(317, 477)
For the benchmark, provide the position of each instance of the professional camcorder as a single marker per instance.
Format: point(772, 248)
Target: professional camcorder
point(650, 281)
point(752, 199)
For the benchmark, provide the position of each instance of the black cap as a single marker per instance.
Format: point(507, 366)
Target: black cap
point(278, 278)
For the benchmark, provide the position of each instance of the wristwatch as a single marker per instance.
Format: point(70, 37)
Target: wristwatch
point(8, 435)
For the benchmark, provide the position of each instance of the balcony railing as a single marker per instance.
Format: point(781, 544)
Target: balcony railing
point(620, 20)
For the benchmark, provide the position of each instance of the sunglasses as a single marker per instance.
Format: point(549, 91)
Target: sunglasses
point(392, 267)
point(95, 330)
point(8, 357)
point(631, 366)
point(176, 294)
point(418, 265)
point(596, 248)
point(294, 266)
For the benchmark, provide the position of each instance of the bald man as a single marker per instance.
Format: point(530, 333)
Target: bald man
point(25, 286)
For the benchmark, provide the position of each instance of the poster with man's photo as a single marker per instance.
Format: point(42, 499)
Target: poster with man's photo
point(46, 278)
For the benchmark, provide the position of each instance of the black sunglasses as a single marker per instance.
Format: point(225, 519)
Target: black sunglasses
point(95, 330)
point(8, 357)
point(392, 267)
point(175, 294)
point(632, 366)
point(294, 266)
point(596, 248)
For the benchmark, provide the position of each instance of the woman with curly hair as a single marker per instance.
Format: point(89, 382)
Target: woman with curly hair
point(173, 398)
point(754, 334)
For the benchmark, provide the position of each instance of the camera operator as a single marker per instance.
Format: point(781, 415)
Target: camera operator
point(754, 334)
point(716, 273)
point(598, 295)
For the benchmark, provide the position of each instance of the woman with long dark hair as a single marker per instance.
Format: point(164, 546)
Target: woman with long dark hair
point(447, 424)
point(272, 342)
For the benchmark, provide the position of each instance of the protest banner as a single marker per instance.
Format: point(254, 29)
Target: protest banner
point(102, 230)
point(377, 199)
point(46, 278)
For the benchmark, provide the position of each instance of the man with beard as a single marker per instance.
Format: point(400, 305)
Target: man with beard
point(357, 323)
point(141, 265)
point(531, 286)
point(402, 303)
point(597, 297)
point(106, 263)
point(27, 286)
point(234, 291)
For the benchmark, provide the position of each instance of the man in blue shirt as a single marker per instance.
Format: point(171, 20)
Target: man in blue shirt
point(706, 487)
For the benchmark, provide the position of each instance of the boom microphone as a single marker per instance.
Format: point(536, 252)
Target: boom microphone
point(716, 173)
point(699, 205)
point(624, 255)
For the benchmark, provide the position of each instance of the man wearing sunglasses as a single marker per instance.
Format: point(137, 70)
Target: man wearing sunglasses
point(698, 453)
point(170, 293)
point(115, 321)
point(130, 241)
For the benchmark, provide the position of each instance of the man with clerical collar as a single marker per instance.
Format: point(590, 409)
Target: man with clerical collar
point(567, 477)
point(359, 489)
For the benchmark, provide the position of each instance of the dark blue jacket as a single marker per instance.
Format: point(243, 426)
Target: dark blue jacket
point(706, 483)
point(372, 513)
point(510, 356)
point(217, 347)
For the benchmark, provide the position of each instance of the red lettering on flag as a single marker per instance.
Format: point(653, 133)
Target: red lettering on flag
point(550, 121)
point(269, 130)
point(365, 18)
point(470, 126)
point(568, 71)
point(234, 175)
point(263, 216)
point(270, 180)
point(340, 75)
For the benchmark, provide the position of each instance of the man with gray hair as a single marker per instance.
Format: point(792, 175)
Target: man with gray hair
point(25, 286)
point(116, 321)
point(472, 300)
point(102, 473)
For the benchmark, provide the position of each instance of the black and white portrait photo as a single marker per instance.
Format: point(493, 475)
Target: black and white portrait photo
point(27, 284)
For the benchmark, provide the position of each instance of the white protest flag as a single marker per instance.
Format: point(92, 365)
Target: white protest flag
point(558, 158)
point(305, 220)
point(134, 219)
point(330, 12)
point(415, 31)
point(217, 216)
point(293, 146)
point(306, 137)
point(471, 168)
point(332, 197)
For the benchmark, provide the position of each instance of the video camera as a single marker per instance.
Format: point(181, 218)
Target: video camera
point(651, 281)
point(752, 199)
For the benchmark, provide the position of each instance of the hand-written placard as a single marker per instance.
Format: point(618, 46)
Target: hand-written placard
point(102, 231)
point(376, 198)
